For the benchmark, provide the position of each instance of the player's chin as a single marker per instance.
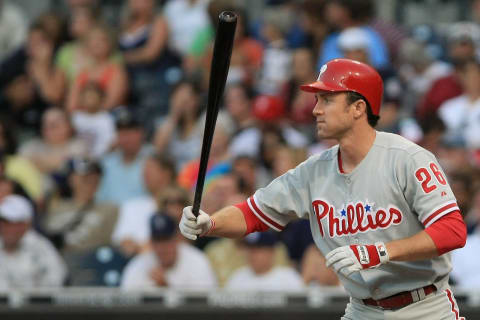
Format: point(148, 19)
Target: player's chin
point(323, 134)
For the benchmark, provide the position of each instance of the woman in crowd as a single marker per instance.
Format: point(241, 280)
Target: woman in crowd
point(56, 145)
point(152, 68)
point(109, 75)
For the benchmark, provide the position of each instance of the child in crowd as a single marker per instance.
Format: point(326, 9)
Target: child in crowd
point(92, 124)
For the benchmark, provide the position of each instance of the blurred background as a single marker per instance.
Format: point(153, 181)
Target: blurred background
point(102, 109)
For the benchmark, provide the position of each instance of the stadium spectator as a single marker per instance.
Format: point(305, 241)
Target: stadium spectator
point(171, 263)
point(277, 57)
point(300, 104)
point(219, 160)
point(238, 100)
point(171, 201)
point(286, 158)
point(418, 70)
point(79, 222)
point(9, 186)
point(122, 178)
point(73, 56)
point(453, 155)
point(29, 82)
point(194, 18)
point(342, 14)
point(28, 259)
point(462, 43)
point(250, 174)
point(313, 22)
point(461, 115)
point(219, 190)
point(271, 114)
point(56, 145)
point(93, 124)
point(103, 70)
point(180, 133)
point(17, 167)
point(261, 274)
point(228, 255)
point(247, 52)
point(132, 233)
point(152, 67)
point(55, 26)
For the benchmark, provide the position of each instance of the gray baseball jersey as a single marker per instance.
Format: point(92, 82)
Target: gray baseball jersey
point(396, 191)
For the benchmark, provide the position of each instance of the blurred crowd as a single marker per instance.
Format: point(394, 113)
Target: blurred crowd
point(102, 110)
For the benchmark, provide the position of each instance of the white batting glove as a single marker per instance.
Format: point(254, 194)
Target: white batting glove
point(350, 259)
point(192, 227)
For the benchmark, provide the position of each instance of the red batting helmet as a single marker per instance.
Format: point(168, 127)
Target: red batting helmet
point(340, 75)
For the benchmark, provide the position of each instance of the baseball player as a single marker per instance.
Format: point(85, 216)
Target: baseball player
point(380, 208)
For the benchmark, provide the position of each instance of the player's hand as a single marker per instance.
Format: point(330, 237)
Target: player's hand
point(349, 259)
point(192, 227)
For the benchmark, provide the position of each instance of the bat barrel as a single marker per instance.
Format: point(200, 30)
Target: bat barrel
point(222, 52)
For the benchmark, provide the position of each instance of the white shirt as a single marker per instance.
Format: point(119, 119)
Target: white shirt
point(465, 263)
point(134, 220)
point(276, 68)
point(191, 271)
point(13, 28)
point(34, 264)
point(184, 21)
point(278, 279)
point(462, 117)
point(96, 129)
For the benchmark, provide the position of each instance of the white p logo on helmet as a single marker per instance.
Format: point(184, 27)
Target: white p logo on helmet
point(322, 70)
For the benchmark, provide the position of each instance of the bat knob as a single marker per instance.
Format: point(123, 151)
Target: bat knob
point(227, 16)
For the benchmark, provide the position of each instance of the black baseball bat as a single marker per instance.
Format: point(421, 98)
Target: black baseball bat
point(222, 52)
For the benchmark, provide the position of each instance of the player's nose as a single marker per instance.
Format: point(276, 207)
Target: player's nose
point(317, 110)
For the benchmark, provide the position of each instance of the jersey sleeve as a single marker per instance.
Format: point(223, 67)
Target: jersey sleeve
point(426, 188)
point(284, 199)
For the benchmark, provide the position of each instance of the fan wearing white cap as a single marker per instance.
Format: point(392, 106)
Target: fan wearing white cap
point(27, 258)
point(354, 43)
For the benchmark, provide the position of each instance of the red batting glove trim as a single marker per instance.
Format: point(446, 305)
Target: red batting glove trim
point(212, 226)
point(373, 257)
point(254, 224)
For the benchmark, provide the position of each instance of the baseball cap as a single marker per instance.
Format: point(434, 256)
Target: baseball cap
point(14, 208)
point(353, 39)
point(125, 119)
point(260, 239)
point(268, 107)
point(463, 31)
point(162, 226)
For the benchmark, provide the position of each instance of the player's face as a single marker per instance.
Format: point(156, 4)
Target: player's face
point(333, 115)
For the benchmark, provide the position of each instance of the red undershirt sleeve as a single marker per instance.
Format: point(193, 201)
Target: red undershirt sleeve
point(253, 223)
point(448, 233)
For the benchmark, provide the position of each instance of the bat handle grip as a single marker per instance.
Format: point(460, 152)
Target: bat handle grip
point(196, 208)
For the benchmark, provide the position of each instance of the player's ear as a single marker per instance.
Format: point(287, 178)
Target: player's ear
point(360, 108)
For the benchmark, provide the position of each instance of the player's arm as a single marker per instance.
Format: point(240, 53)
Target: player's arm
point(229, 222)
point(446, 234)
point(273, 206)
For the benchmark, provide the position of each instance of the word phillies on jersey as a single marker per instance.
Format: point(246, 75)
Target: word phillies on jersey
point(354, 218)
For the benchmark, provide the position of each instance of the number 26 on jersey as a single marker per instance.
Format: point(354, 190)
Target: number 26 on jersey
point(424, 176)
